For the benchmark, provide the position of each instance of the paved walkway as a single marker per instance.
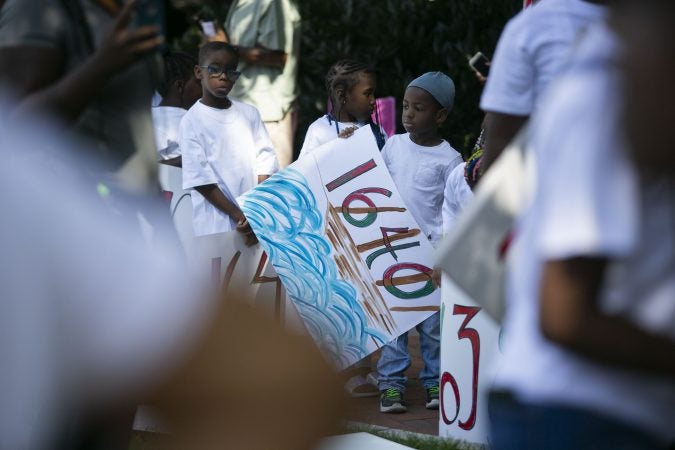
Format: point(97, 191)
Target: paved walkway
point(418, 419)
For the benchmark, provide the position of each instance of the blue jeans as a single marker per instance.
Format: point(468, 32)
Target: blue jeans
point(520, 426)
point(395, 358)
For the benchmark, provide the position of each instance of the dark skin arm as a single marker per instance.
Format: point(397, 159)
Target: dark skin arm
point(500, 129)
point(258, 55)
point(215, 196)
point(570, 317)
point(175, 162)
point(36, 74)
point(262, 56)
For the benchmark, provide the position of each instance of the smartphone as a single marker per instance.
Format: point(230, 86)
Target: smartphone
point(208, 28)
point(150, 12)
point(479, 63)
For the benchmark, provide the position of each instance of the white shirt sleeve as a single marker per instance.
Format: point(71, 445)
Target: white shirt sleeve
point(386, 150)
point(265, 159)
point(589, 195)
point(510, 88)
point(311, 141)
point(451, 201)
point(197, 170)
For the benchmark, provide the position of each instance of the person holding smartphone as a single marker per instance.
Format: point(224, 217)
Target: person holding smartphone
point(266, 34)
point(533, 49)
point(85, 63)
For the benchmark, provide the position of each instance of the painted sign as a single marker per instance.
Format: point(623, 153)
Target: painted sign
point(469, 357)
point(223, 259)
point(349, 253)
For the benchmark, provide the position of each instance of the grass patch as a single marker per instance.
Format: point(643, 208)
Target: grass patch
point(151, 441)
point(415, 440)
point(141, 440)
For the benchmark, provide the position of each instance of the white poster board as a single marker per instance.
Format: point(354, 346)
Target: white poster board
point(349, 253)
point(474, 254)
point(469, 357)
point(224, 258)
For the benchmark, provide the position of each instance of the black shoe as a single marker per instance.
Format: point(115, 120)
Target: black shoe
point(391, 401)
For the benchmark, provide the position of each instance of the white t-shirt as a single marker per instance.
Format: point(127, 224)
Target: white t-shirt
point(590, 201)
point(325, 129)
point(533, 49)
point(420, 174)
point(228, 147)
point(166, 120)
point(456, 195)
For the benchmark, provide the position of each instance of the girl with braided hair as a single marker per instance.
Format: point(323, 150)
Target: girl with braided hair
point(351, 89)
point(179, 89)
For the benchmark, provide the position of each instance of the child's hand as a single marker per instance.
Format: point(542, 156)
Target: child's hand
point(245, 228)
point(122, 45)
point(347, 132)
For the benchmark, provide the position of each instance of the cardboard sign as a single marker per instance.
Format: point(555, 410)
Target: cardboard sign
point(469, 357)
point(351, 256)
point(223, 260)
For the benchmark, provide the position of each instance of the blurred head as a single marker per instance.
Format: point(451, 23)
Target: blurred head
point(646, 30)
point(180, 87)
point(217, 71)
point(351, 87)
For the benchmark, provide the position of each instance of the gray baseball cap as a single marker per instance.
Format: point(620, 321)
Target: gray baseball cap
point(439, 85)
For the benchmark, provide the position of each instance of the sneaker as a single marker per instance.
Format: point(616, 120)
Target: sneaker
point(358, 386)
point(432, 397)
point(391, 401)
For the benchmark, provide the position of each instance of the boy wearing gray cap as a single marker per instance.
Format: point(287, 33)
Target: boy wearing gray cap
point(419, 161)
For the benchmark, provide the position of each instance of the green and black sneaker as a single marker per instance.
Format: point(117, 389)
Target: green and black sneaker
point(432, 397)
point(391, 401)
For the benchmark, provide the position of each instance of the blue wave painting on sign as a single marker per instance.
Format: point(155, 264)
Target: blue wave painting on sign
point(283, 212)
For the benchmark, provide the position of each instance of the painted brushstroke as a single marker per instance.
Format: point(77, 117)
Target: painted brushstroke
point(352, 268)
point(283, 213)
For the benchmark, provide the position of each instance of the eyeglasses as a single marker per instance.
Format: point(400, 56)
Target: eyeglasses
point(216, 71)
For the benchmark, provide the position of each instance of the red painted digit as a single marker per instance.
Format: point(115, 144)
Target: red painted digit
point(259, 278)
point(445, 379)
point(350, 175)
point(472, 335)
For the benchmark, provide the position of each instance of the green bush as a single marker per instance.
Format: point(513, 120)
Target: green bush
point(402, 39)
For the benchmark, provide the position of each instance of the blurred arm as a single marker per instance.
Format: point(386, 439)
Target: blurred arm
point(215, 196)
point(263, 56)
point(36, 74)
point(569, 316)
point(500, 129)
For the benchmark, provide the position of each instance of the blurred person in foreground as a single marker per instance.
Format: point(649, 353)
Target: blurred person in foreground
point(88, 65)
point(96, 318)
point(589, 360)
point(532, 51)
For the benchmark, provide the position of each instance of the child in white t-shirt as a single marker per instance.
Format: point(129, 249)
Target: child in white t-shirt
point(179, 89)
point(351, 88)
point(224, 144)
point(459, 187)
point(419, 162)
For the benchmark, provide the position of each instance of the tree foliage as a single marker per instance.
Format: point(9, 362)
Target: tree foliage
point(400, 38)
